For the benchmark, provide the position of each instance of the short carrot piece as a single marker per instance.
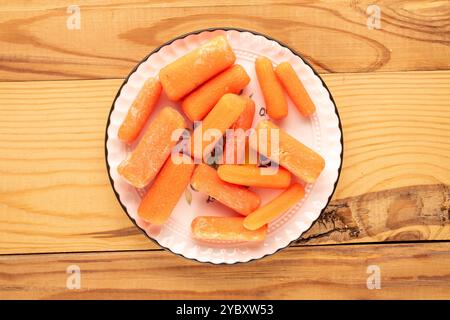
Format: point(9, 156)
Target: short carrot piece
point(206, 180)
point(219, 119)
point(199, 102)
point(293, 155)
point(245, 120)
point(140, 110)
point(295, 89)
point(193, 69)
point(239, 141)
point(148, 157)
point(272, 90)
point(274, 208)
point(252, 176)
point(163, 195)
point(225, 229)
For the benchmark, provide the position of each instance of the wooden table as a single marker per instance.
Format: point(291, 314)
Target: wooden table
point(391, 210)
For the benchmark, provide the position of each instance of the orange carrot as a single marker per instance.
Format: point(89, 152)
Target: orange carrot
point(225, 229)
point(239, 141)
point(153, 149)
point(293, 155)
point(220, 118)
point(238, 198)
point(166, 190)
point(140, 110)
point(191, 70)
point(274, 98)
point(199, 102)
point(252, 175)
point(295, 89)
point(274, 208)
point(245, 120)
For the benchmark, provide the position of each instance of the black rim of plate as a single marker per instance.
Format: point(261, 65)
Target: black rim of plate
point(184, 36)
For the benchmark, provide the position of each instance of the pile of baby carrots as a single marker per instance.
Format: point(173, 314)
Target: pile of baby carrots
point(208, 83)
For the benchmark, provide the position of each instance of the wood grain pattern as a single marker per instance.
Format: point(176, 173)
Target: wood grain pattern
point(418, 271)
point(55, 195)
point(54, 192)
point(396, 130)
point(403, 214)
point(115, 34)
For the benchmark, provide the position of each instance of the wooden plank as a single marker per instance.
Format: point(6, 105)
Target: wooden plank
point(55, 194)
point(392, 130)
point(407, 271)
point(115, 34)
point(402, 214)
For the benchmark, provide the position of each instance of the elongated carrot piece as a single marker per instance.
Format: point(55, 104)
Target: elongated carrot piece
point(293, 155)
point(272, 90)
point(191, 70)
point(274, 208)
point(238, 198)
point(295, 89)
point(166, 190)
point(199, 102)
point(220, 118)
point(140, 110)
point(252, 176)
point(245, 120)
point(153, 149)
point(240, 141)
point(225, 228)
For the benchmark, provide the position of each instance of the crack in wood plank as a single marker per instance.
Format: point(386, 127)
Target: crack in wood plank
point(401, 214)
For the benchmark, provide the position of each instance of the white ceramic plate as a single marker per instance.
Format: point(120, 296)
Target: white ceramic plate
point(322, 132)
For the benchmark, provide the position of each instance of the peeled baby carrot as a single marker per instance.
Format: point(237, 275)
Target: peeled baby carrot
point(238, 198)
point(153, 149)
point(300, 160)
point(166, 190)
point(274, 208)
point(295, 89)
point(199, 102)
point(220, 118)
point(274, 98)
point(191, 70)
point(225, 228)
point(140, 110)
point(251, 175)
point(239, 141)
point(245, 120)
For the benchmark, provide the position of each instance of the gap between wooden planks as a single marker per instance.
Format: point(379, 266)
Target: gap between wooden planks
point(407, 271)
point(55, 194)
point(116, 34)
